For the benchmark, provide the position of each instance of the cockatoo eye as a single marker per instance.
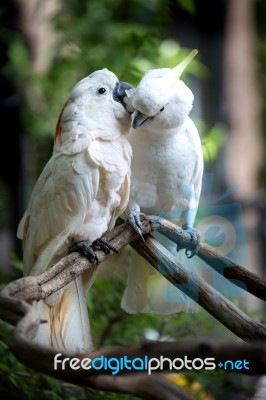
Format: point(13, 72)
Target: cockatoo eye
point(102, 90)
point(161, 109)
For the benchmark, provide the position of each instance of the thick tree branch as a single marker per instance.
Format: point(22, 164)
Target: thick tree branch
point(69, 267)
point(31, 353)
point(72, 265)
point(240, 276)
point(15, 310)
point(36, 288)
point(196, 288)
point(153, 387)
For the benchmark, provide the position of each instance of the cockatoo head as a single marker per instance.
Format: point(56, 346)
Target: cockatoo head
point(95, 105)
point(161, 96)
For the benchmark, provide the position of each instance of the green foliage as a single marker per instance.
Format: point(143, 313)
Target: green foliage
point(17, 381)
point(213, 139)
point(17, 263)
point(20, 382)
point(93, 35)
point(220, 384)
point(188, 5)
point(19, 58)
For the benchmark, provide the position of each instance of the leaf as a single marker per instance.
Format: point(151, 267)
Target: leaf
point(187, 5)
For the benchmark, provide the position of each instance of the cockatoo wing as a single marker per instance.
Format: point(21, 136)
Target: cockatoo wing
point(115, 160)
point(59, 202)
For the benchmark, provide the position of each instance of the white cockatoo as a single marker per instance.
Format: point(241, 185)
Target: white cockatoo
point(167, 169)
point(80, 193)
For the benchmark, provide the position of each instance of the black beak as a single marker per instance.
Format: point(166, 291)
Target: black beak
point(139, 119)
point(119, 92)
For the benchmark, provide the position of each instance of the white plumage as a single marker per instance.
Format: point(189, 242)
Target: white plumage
point(82, 190)
point(167, 168)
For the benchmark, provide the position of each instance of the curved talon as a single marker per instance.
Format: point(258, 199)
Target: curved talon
point(191, 252)
point(85, 250)
point(100, 244)
point(135, 222)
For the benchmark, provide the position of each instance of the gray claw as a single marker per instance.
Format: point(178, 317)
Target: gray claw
point(106, 247)
point(85, 250)
point(191, 253)
point(135, 222)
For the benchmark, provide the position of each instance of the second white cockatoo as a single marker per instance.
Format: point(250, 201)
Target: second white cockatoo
point(80, 193)
point(167, 169)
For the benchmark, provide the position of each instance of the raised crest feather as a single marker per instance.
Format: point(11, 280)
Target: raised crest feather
point(57, 135)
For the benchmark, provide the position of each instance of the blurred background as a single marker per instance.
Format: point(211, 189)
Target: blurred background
point(46, 47)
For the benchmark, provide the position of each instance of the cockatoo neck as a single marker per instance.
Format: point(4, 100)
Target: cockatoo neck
point(159, 137)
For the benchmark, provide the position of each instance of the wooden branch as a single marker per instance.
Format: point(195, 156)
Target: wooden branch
point(196, 288)
point(15, 310)
point(153, 387)
point(69, 267)
point(39, 287)
point(30, 353)
point(36, 288)
point(215, 259)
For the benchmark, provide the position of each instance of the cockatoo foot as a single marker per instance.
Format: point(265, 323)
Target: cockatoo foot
point(135, 222)
point(89, 250)
point(85, 250)
point(100, 244)
point(193, 248)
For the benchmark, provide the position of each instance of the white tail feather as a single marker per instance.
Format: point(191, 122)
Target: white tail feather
point(67, 326)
